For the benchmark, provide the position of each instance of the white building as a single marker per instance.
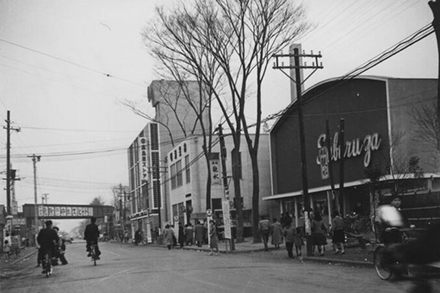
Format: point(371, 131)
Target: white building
point(187, 169)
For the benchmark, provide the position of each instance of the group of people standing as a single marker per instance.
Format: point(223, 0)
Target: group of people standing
point(187, 235)
point(294, 236)
point(278, 230)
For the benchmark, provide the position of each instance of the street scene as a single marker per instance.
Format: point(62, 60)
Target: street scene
point(220, 146)
point(126, 267)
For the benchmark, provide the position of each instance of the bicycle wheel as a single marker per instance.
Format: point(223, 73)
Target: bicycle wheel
point(48, 266)
point(383, 269)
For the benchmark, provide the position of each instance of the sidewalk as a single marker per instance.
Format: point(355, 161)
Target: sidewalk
point(354, 255)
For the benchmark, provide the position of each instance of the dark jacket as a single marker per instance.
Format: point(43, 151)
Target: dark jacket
point(92, 232)
point(47, 239)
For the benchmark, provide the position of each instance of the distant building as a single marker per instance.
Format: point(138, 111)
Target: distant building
point(379, 135)
point(187, 169)
point(174, 120)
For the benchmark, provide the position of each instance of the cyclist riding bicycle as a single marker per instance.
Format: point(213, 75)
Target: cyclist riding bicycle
point(391, 221)
point(47, 239)
point(91, 235)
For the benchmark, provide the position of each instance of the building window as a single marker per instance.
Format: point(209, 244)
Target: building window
point(179, 175)
point(187, 170)
point(173, 176)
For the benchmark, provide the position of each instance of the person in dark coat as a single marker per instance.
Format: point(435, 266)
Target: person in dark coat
point(47, 239)
point(181, 237)
point(199, 234)
point(189, 234)
point(91, 235)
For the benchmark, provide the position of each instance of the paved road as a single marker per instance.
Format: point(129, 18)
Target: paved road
point(128, 268)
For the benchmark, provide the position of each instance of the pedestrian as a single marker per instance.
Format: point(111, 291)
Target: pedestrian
point(285, 220)
point(181, 237)
point(138, 236)
point(298, 240)
point(15, 244)
point(189, 237)
point(168, 235)
point(126, 236)
point(60, 250)
point(338, 235)
point(213, 238)
point(289, 234)
point(199, 233)
point(264, 227)
point(318, 233)
point(174, 235)
point(277, 233)
point(7, 247)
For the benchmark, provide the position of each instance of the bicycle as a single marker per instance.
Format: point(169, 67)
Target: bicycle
point(47, 264)
point(385, 264)
point(94, 256)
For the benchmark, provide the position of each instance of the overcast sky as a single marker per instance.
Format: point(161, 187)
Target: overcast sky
point(55, 57)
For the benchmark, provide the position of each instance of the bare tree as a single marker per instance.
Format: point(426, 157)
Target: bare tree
point(179, 60)
point(237, 38)
point(428, 122)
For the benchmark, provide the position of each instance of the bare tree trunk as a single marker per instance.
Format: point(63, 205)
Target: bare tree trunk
point(255, 197)
point(237, 191)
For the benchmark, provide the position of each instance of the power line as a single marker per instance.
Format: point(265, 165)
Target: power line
point(70, 62)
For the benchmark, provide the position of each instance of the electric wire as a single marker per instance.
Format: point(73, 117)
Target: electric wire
point(70, 62)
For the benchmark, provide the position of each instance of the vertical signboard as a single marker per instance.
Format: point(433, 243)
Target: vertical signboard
point(323, 162)
point(215, 171)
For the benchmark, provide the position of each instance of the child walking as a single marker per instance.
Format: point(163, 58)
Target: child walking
point(298, 240)
point(7, 249)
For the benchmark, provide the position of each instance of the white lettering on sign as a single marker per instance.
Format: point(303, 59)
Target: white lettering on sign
point(323, 162)
point(143, 150)
point(63, 211)
point(353, 148)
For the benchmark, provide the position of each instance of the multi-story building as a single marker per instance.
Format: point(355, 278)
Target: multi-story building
point(187, 169)
point(174, 120)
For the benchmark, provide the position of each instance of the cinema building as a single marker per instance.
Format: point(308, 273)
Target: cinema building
point(383, 152)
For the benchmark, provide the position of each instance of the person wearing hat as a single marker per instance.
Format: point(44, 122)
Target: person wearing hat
point(47, 239)
point(61, 248)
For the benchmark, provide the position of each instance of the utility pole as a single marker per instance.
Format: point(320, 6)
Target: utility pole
point(330, 169)
point(435, 7)
point(8, 161)
point(341, 167)
point(225, 182)
point(158, 183)
point(43, 200)
point(35, 159)
point(297, 66)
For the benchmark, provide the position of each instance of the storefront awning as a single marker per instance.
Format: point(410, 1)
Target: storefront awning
point(347, 184)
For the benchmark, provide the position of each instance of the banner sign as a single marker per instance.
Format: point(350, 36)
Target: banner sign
point(323, 162)
point(64, 211)
point(215, 171)
point(143, 150)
